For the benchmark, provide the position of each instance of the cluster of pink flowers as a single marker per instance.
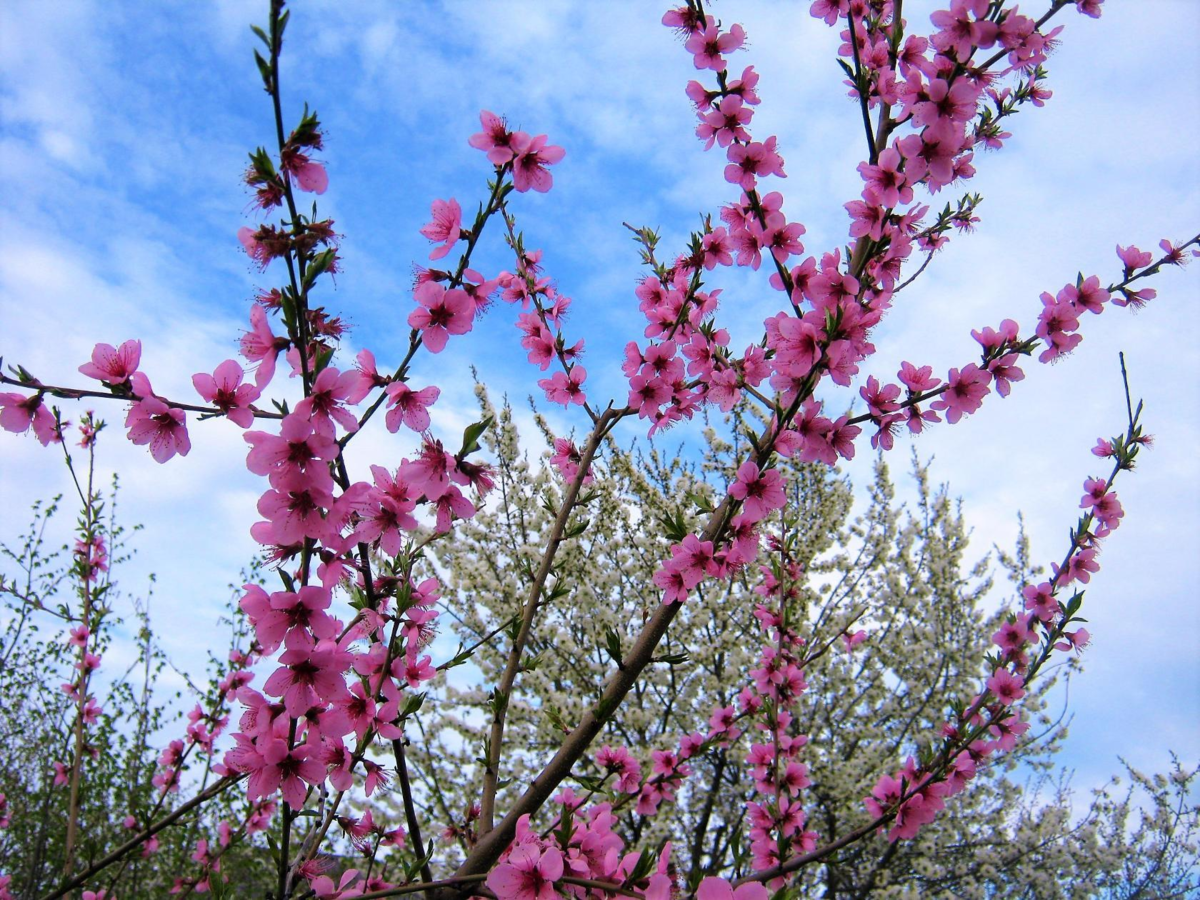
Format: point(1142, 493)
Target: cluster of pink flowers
point(990, 724)
point(338, 684)
point(527, 157)
point(777, 818)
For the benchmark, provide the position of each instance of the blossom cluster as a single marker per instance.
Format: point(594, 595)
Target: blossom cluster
point(341, 682)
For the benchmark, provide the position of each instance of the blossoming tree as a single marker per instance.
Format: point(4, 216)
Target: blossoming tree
point(338, 667)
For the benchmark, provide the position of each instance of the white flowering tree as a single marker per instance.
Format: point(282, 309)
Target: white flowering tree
point(879, 592)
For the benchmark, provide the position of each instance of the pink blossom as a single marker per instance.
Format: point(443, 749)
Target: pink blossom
point(1058, 319)
point(716, 249)
point(450, 506)
point(531, 156)
point(1133, 258)
point(725, 124)
point(707, 46)
point(297, 448)
point(308, 174)
point(224, 389)
point(748, 162)
point(18, 413)
point(287, 770)
point(409, 407)
point(669, 577)
point(1039, 599)
point(366, 377)
point(761, 493)
point(887, 185)
point(566, 459)
point(445, 227)
point(294, 506)
point(433, 470)
point(91, 711)
point(151, 421)
point(685, 19)
point(1086, 295)
point(495, 139)
point(324, 404)
point(694, 559)
point(712, 888)
point(310, 673)
point(1012, 636)
point(258, 245)
point(1075, 640)
point(113, 365)
point(565, 388)
point(324, 888)
point(621, 762)
point(261, 346)
point(991, 339)
point(286, 613)
point(440, 314)
point(1007, 687)
point(964, 394)
point(529, 873)
point(1004, 371)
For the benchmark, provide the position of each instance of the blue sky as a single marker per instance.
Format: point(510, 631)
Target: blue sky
point(123, 134)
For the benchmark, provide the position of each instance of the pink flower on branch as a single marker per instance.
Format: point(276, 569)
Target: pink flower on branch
point(445, 227)
point(964, 394)
point(531, 157)
point(19, 413)
point(441, 313)
point(113, 365)
point(529, 873)
point(260, 345)
point(565, 388)
point(1007, 687)
point(713, 888)
point(409, 407)
point(224, 390)
point(495, 139)
point(707, 46)
point(151, 421)
point(761, 493)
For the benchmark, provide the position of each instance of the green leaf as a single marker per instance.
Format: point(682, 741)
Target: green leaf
point(323, 359)
point(471, 436)
point(460, 657)
point(606, 707)
point(264, 69)
point(317, 266)
point(612, 646)
point(577, 529)
point(412, 704)
point(674, 659)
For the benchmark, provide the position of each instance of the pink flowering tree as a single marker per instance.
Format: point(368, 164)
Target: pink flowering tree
point(339, 661)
